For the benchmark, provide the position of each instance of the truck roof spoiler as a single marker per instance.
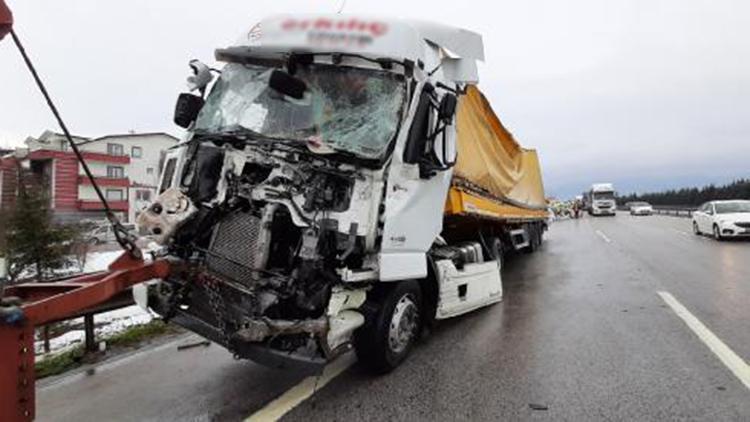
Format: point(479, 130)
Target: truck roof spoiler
point(376, 37)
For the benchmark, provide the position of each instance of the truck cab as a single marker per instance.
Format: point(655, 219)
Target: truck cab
point(303, 211)
point(602, 199)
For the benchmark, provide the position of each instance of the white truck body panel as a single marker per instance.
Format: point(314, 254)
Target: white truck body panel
point(371, 36)
point(462, 291)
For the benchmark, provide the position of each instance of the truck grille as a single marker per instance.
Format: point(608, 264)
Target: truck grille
point(235, 248)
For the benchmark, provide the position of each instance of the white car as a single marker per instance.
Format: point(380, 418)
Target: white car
point(641, 208)
point(723, 219)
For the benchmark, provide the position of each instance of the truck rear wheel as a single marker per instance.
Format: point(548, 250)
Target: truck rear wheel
point(388, 337)
point(497, 252)
point(535, 238)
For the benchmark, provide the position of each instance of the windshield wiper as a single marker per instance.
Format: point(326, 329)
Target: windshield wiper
point(237, 132)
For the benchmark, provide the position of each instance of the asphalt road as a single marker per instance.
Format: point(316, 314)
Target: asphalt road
point(582, 334)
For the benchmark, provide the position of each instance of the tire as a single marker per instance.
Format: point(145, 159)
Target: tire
point(389, 335)
point(696, 230)
point(717, 233)
point(535, 239)
point(497, 253)
point(539, 235)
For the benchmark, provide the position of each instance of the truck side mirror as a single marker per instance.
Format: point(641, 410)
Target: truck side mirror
point(447, 108)
point(187, 108)
point(426, 145)
point(287, 84)
point(419, 131)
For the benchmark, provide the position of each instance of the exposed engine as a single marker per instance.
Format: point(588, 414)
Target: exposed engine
point(265, 234)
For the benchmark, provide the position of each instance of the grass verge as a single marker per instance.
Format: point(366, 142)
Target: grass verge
point(131, 337)
point(59, 363)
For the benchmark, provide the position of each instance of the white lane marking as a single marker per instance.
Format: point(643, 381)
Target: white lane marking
point(274, 410)
point(681, 232)
point(603, 236)
point(730, 359)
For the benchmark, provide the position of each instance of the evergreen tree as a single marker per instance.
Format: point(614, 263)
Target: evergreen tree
point(34, 244)
point(693, 197)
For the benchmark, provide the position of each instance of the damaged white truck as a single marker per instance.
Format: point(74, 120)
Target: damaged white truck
point(324, 199)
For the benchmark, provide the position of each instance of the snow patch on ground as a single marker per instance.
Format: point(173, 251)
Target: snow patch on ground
point(106, 324)
point(99, 261)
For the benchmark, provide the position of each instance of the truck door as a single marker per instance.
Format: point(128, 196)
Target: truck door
point(416, 191)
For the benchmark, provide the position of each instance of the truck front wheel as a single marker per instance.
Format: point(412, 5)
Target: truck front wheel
point(388, 337)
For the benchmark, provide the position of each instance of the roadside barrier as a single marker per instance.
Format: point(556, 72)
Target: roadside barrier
point(685, 212)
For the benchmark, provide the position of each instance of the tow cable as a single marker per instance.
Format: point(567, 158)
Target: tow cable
point(126, 239)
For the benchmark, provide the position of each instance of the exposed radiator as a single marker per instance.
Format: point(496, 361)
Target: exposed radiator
point(240, 244)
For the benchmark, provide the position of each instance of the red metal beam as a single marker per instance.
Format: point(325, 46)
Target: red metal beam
point(31, 292)
point(46, 304)
point(17, 372)
point(90, 294)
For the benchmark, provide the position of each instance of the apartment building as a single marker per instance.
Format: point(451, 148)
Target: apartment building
point(126, 168)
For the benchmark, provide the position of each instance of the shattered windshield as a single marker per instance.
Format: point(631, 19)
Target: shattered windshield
point(344, 109)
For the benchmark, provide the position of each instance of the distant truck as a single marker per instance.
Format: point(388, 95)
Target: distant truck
point(600, 199)
point(343, 184)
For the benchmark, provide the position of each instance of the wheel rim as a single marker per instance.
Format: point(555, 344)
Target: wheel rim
point(403, 324)
point(695, 228)
point(716, 232)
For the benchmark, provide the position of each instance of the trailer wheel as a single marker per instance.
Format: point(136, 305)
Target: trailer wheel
point(497, 252)
point(385, 341)
point(534, 239)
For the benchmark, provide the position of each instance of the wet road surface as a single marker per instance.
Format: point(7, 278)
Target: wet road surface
point(581, 334)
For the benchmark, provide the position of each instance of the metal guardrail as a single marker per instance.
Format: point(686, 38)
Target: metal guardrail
point(686, 212)
point(675, 211)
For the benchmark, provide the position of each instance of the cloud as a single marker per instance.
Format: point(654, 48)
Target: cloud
point(639, 93)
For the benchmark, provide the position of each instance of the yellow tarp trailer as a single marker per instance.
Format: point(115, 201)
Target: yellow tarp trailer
point(494, 176)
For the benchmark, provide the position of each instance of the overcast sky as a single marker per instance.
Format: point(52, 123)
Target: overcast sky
point(646, 94)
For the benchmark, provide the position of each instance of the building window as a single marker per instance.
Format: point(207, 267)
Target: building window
point(115, 195)
point(150, 171)
point(136, 152)
point(143, 195)
point(115, 149)
point(115, 172)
